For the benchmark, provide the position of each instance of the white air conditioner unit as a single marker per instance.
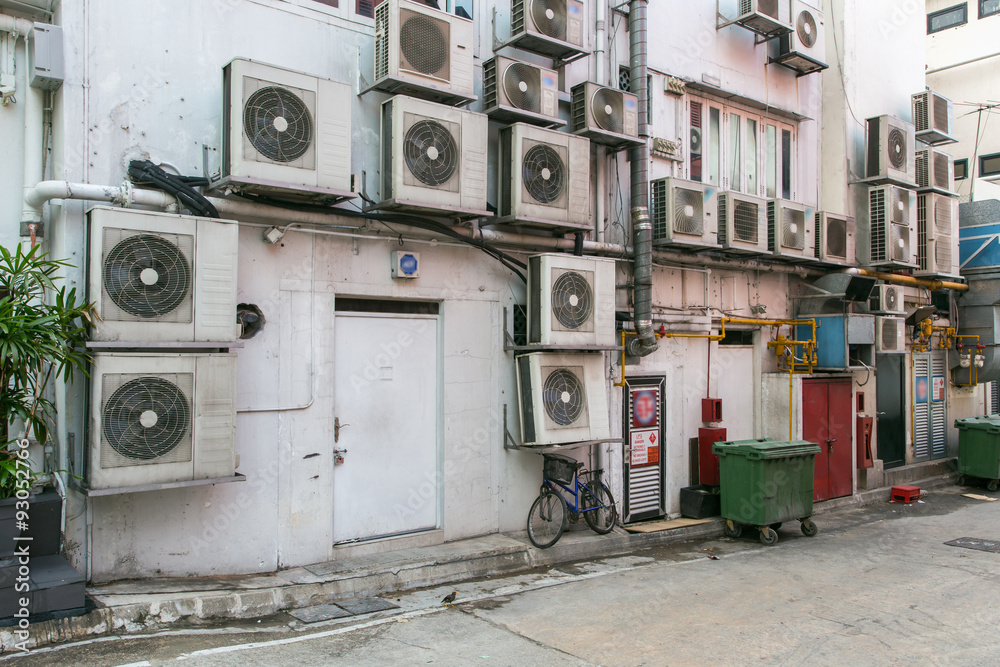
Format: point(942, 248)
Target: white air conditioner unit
point(764, 17)
point(684, 213)
point(433, 157)
point(790, 230)
point(891, 226)
point(742, 223)
point(563, 398)
point(544, 178)
point(554, 28)
point(161, 418)
point(804, 48)
point(423, 51)
point(285, 134)
point(935, 171)
point(571, 300)
point(514, 91)
point(933, 118)
point(835, 239)
point(937, 235)
point(160, 277)
point(890, 146)
point(886, 300)
point(890, 335)
point(605, 115)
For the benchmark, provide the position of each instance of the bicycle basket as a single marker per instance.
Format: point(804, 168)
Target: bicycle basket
point(559, 468)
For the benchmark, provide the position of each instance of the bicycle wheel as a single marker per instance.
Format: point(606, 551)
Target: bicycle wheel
point(602, 519)
point(547, 519)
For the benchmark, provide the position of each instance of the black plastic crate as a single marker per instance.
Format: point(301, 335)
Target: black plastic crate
point(700, 501)
point(559, 468)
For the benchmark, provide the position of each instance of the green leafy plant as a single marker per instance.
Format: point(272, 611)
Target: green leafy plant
point(42, 336)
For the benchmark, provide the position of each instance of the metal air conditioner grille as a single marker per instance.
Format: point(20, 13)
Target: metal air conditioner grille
point(890, 337)
point(608, 109)
point(877, 217)
point(921, 169)
point(920, 112)
point(922, 232)
point(658, 201)
point(941, 114)
point(578, 108)
point(523, 84)
point(278, 124)
point(425, 45)
point(941, 164)
point(768, 7)
point(836, 237)
point(943, 230)
point(517, 17)
point(793, 228)
point(527, 399)
point(891, 298)
point(147, 276)
point(900, 206)
point(572, 302)
point(535, 301)
point(897, 148)
point(805, 28)
point(723, 220)
point(549, 17)
point(490, 84)
point(746, 216)
point(900, 239)
point(544, 173)
point(431, 152)
point(746, 6)
point(383, 27)
point(146, 419)
point(689, 211)
point(563, 396)
point(942, 216)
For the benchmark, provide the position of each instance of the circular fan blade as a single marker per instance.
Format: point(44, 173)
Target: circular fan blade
point(608, 110)
point(550, 17)
point(543, 172)
point(278, 124)
point(146, 418)
point(793, 229)
point(430, 152)
point(146, 275)
point(423, 44)
point(688, 211)
point(572, 300)
point(897, 148)
point(836, 238)
point(522, 84)
point(563, 397)
point(805, 27)
point(695, 141)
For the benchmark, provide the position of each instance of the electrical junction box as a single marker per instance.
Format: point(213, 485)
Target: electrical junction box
point(405, 264)
point(47, 62)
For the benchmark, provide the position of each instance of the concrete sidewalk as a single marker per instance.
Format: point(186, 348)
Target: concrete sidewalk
point(144, 605)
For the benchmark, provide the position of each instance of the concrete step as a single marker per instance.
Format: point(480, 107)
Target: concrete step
point(53, 585)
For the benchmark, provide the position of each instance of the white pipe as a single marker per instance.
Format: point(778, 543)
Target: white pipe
point(961, 64)
point(33, 111)
point(15, 25)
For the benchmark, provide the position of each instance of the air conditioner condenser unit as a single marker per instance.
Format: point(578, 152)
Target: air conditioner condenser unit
point(285, 134)
point(935, 171)
point(161, 419)
point(605, 115)
point(933, 118)
point(790, 230)
point(890, 146)
point(890, 335)
point(684, 213)
point(553, 28)
point(571, 300)
point(515, 91)
point(768, 18)
point(937, 236)
point(803, 50)
point(742, 223)
point(886, 299)
point(890, 231)
point(835, 239)
point(162, 277)
point(563, 398)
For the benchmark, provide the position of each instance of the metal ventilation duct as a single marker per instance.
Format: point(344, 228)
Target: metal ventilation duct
point(829, 295)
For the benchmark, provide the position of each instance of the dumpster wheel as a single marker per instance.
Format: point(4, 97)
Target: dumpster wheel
point(768, 536)
point(961, 480)
point(993, 485)
point(809, 529)
point(731, 528)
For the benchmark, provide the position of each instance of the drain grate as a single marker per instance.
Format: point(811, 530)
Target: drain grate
point(342, 609)
point(976, 543)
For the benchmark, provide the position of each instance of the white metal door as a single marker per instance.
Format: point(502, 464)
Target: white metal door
point(387, 415)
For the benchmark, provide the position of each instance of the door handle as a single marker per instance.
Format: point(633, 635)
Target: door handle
point(336, 429)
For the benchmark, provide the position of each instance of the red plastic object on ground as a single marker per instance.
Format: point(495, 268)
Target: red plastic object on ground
point(864, 440)
point(905, 493)
point(708, 463)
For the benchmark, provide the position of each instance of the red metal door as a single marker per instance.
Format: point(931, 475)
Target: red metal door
point(826, 420)
point(815, 402)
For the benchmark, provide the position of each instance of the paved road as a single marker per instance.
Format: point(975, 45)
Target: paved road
point(876, 587)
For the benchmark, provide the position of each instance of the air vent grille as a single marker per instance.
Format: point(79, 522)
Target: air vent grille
point(836, 238)
point(147, 276)
point(146, 419)
point(920, 112)
point(425, 45)
point(922, 232)
point(900, 238)
point(805, 28)
point(941, 169)
point(877, 217)
point(383, 29)
point(608, 109)
point(890, 336)
point(768, 7)
point(921, 169)
point(900, 213)
point(941, 114)
point(549, 17)
point(746, 217)
point(523, 83)
point(564, 397)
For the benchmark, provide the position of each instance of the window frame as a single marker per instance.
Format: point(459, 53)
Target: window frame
point(982, 162)
point(982, 14)
point(964, 6)
point(727, 153)
point(965, 166)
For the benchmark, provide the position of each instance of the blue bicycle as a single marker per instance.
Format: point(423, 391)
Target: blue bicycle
point(551, 512)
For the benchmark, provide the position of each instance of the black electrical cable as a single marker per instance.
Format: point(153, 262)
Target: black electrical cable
point(182, 187)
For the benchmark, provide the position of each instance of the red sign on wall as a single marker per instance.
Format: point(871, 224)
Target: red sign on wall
point(645, 447)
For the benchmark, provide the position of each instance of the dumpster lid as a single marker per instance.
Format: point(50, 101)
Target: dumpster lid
point(766, 449)
point(989, 423)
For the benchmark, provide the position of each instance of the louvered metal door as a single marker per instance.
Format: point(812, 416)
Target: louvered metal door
point(644, 454)
point(930, 417)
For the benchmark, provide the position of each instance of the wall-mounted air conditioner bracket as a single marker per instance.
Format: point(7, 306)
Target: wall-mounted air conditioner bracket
point(303, 193)
point(509, 345)
point(161, 346)
point(394, 85)
point(238, 477)
point(455, 213)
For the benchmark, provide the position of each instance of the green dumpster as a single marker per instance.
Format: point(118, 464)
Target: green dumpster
point(766, 482)
point(979, 449)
